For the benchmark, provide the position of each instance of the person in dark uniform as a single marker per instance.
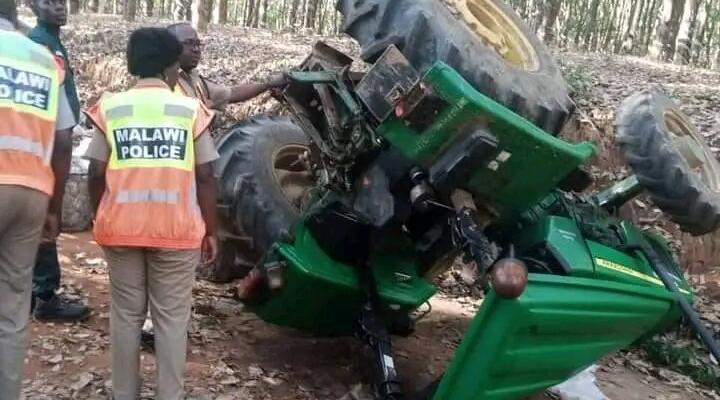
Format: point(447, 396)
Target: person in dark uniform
point(47, 305)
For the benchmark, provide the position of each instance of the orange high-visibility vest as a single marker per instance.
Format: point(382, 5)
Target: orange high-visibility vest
point(29, 92)
point(150, 198)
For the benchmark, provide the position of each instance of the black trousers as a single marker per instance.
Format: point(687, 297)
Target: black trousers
point(46, 275)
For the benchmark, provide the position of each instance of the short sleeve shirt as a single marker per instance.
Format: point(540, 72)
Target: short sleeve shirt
point(210, 93)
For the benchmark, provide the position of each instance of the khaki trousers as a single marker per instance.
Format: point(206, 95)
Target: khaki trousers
point(162, 279)
point(22, 215)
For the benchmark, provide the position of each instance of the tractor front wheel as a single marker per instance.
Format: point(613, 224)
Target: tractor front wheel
point(262, 184)
point(671, 160)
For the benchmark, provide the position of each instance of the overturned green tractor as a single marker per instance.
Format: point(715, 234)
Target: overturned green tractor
point(445, 148)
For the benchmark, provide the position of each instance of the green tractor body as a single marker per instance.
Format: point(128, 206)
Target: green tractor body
point(591, 296)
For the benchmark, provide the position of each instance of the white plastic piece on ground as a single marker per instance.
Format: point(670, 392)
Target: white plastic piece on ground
point(582, 386)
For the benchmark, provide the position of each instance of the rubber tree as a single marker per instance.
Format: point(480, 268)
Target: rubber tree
point(295, 5)
point(130, 10)
point(686, 32)
point(666, 29)
point(551, 12)
point(311, 13)
point(201, 12)
point(592, 24)
point(222, 12)
point(181, 10)
point(627, 41)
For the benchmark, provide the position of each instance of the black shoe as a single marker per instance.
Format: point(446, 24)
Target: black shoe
point(147, 341)
point(59, 309)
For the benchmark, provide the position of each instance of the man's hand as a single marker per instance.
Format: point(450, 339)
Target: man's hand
point(277, 81)
point(51, 230)
point(209, 250)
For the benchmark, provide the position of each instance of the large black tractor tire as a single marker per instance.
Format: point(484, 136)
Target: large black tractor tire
point(527, 80)
point(660, 145)
point(256, 163)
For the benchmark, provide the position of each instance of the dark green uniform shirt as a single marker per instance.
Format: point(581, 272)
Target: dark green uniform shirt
point(49, 36)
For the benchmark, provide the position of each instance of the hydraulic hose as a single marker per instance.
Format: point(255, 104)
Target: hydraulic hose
point(662, 272)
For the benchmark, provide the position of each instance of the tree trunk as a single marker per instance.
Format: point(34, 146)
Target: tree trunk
point(611, 26)
point(645, 11)
point(256, 14)
point(592, 25)
point(626, 42)
point(336, 25)
point(668, 23)
point(683, 44)
point(249, 4)
point(294, 12)
point(130, 10)
point(222, 11)
point(266, 15)
point(179, 9)
point(74, 6)
point(201, 11)
point(711, 28)
point(552, 10)
point(310, 13)
point(149, 7)
point(699, 42)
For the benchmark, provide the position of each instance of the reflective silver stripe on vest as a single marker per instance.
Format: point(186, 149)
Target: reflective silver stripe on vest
point(193, 205)
point(120, 112)
point(18, 143)
point(176, 110)
point(42, 59)
point(148, 196)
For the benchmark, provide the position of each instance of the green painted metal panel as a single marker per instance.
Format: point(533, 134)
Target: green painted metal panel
point(323, 296)
point(558, 327)
point(512, 183)
point(561, 236)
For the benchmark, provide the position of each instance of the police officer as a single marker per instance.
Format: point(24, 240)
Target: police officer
point(35, 151)
point(152, 185)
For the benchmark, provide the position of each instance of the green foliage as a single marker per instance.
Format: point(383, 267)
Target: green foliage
point(682, 352)
point(578, 78)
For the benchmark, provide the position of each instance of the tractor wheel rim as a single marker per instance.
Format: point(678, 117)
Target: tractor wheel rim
point(693, 149)
point(291, 173)
point(498, 31)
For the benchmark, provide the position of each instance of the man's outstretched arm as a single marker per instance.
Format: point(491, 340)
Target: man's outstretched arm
point(248, 91)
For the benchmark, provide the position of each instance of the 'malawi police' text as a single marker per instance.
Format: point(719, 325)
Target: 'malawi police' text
point(150, 143)
point(23, 87)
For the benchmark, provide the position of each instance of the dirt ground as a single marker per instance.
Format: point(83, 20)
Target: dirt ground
point(233, 355)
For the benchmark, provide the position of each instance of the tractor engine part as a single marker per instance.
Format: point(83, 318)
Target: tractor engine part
point(421, 195)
